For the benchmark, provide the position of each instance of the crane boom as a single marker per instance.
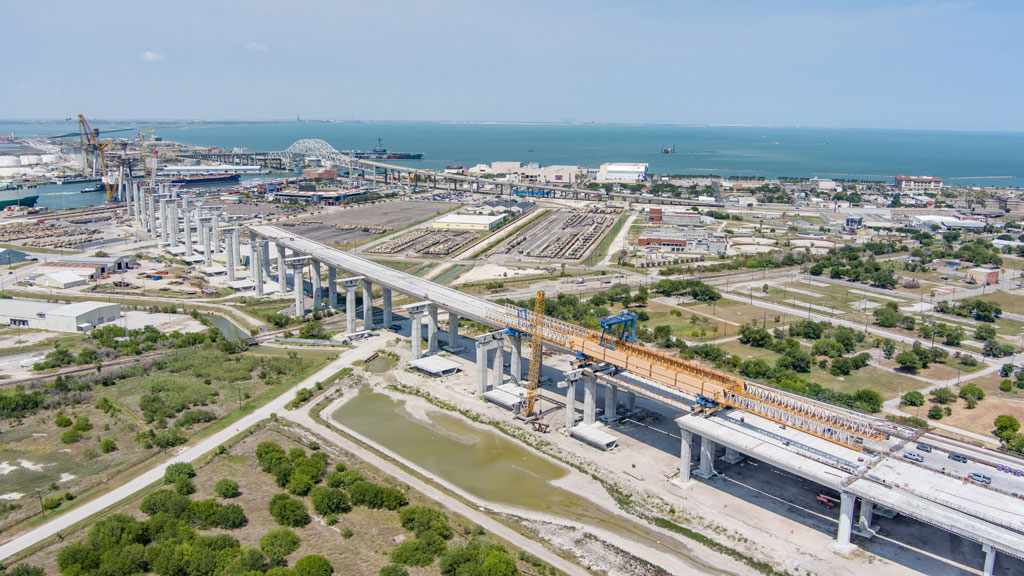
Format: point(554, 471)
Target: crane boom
point(91, 136)
point(526, 409)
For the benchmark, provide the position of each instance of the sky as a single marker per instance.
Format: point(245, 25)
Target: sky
point(945, 65)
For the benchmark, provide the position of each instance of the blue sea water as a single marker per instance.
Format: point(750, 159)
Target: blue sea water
point(966, 158)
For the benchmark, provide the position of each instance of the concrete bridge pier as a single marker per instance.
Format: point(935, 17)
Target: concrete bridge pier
point(282, 271)
point(163, 222)
point(732, 456)
point(215, 232)
point(368, 305)
point(188, 226)
point(611, 400)
point(453, 332)
point(151, 213)
point(515, 365)
point(481, 366)
point(300, 294)
point(842, 543)
point(589, 397)
point(990, 559)
point(386, 305)
point(706, 469)
point(332, 287)
point(867, 515)
point(416, 316)
point(570, 401)
point(174, 223)
point(630, 401)
point(318, 295)
point(431, 329)
point(257, 268)
point(685, 454)
point(231, 261)
point(236, 247)
point(208, 249)
point(265, 260)
point(350, 285)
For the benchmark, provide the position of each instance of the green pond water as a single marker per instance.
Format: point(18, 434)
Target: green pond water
point(381, 364)
point(485, 464)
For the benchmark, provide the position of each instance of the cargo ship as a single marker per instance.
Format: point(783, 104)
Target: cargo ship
point(204, 179)
point(379, 152)
point(26, 201)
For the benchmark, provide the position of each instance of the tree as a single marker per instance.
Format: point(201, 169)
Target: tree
point(178, 470)
point(985, 332)
point(108, 445)
point(288, 511)
point(226, 488)
point(943, 395)
point(972, 394)
point(278, 543)
point(391, 570)
point(329, 501)
point(313, 565)
point(888, 348)
point(1006, 370)
point(868, 400)
point(1006, 427)
point(935, 412)
point(913, 398)
point(887, 316)
point(909, 361)
point(312, 331)
point(26, 570)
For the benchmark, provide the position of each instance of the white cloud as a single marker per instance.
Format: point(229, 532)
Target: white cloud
point(151, 56)
point(256, 47)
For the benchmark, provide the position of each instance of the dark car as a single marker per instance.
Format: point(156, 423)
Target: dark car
point(958, 458)
point(924, 448)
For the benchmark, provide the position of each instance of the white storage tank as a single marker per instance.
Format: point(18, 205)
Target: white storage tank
point(31, 159)
point(9, 161)
point(50, 158)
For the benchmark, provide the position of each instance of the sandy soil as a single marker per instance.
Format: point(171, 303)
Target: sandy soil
point(495, 272)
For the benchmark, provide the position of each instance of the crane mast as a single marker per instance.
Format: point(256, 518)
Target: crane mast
point(90, 138)
point(526, 409)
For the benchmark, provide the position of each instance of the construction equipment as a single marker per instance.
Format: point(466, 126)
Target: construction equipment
point(90, 141)
point(713, 389)
point(526, 407)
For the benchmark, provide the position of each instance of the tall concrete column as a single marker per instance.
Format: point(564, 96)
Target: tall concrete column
point(570, 404)
point(314, 272)
point(151, 214)
point(215, 232)
point(515, 366)
point(453, 330)
point(208, 247)
point(630, 401)
point(282, 271)
point(685, 457)
point(174, 223)
point(231, 264)
point(417, 335)
point(188, 228)
point(732, 456)
point(236, 247)
point(589, 397)
point(431, 329)
point(257, 268)
point(350, 305)
point(332, 287)
point(498, 366)
point(845, 522)
point(481, 367)
point(368, 305)
point(300, 294)
point(707, 458)
point(386, 305)
point(990, 559)
point(611, 400)
point(163, 222)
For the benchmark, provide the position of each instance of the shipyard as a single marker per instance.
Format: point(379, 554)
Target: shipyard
point(703, 333)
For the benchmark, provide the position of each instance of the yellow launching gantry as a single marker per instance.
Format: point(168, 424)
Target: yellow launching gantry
point(90, 139)
point(712, 389)
point(526, 408)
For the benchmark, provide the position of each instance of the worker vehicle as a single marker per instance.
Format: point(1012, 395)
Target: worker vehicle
point(827, 500)
point(924, 448)
point(958, 458)
point(979, 478)
point(913, 456)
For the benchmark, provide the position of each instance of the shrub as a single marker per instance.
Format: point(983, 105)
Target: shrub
point(1006, 385)
point(334, 479)
point(205, 514)
point(52, 503)
point(82, 425)
point(329, 501)
point(420, 520)
point(288, 511)
point(1006, 427)
point(184, 486)
point(913, 398)
point(935, 412)
point(300, 484)
point(279, 543)
point(389, 570)
point(350, 477)
point(347, 533)
point(195, 416)
point(164, 501)
point(178, 470)
point(226, 488)
point(313, 565)
point(413, 553)
point(70, 436)
point(26, 570)
point(944, 395)
point(108, 445)
point(62, 421)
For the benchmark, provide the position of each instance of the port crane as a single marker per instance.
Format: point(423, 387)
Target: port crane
point(90, 141)
point(712, 390)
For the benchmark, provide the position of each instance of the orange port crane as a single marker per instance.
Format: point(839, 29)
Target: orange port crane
point(90, 140)
point(712, 389)
point(526, 408)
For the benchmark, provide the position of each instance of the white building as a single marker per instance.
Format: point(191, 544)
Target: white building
point(468, 222)
point(918, 183)
point(629, 172)
point(944, 222)
point(532, 172)
point(212, 169)
point(60, 279)
point(39, 315)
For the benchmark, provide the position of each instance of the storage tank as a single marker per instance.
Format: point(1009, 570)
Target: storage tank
point(30, 159)
point(9, 161)
point(50, 158)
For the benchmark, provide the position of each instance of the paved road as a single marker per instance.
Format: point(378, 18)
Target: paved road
point(189, 453)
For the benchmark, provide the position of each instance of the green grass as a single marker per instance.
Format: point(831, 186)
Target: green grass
point(602, 248)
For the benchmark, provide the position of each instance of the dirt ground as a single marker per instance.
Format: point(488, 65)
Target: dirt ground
point(392, 215)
